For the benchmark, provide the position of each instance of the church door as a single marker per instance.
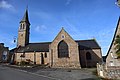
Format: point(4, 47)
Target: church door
point(42, 58)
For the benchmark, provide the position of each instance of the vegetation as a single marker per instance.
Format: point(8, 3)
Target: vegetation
point(117, 45)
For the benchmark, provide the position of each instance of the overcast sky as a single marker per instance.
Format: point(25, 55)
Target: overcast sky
point(82, 19)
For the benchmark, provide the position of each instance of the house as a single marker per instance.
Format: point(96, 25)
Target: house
point(4, 53)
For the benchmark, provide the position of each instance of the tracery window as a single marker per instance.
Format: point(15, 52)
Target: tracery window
point(63, 49)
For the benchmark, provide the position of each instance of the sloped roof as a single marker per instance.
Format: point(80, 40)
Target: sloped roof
point(37, 47)
point(44, 46)
point(88, 44)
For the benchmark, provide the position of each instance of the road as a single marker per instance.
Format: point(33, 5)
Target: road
point(13, 74)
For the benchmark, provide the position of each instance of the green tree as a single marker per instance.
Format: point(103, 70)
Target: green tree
point(117, 45)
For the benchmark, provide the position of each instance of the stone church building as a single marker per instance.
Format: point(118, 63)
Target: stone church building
point(62, 52)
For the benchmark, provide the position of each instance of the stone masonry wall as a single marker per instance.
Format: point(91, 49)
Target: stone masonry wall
point(96, 57)
point(73, 60)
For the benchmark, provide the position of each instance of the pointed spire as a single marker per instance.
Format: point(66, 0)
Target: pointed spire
point(25, 17)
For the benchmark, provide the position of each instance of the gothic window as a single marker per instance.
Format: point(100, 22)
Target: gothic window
point(45, 55)
point(88, 56)
point(63, 50)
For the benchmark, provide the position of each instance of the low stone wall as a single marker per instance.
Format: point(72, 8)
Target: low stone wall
point(113, 72)
point(74, 65)
point(108, 72)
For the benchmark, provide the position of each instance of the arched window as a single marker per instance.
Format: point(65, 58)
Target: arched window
point(63, 50)
point(88, 56)
point(45, 55)
point(20, 26)
point(23, 26)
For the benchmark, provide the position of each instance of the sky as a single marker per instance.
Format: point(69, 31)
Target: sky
point(82, 19)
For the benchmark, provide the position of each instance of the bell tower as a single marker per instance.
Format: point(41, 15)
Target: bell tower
point(23, 31)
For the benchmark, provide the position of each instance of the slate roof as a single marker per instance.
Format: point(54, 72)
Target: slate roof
point(25, 17)
point(37, 47)
point(44, 47)
point(88, 44)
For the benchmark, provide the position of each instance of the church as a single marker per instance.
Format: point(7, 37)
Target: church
point(62, 52)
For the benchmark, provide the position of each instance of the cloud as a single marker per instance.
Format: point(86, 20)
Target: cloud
point(41, 28)
point(5, 5)
point(68, 2)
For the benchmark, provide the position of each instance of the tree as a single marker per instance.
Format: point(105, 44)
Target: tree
point(117, 45)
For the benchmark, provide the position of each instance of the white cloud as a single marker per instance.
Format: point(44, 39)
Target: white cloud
point(41, 28)
point(68, 2)
point(5, 4)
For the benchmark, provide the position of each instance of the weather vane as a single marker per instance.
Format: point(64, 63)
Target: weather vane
point(117, 3)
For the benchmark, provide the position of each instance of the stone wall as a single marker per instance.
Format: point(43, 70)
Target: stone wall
point(111, 55)
point(73, 60)
point(33, 57)
point(96, 57)
point(108, 72)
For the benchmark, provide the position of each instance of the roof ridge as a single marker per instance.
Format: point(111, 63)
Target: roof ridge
point(85, 40)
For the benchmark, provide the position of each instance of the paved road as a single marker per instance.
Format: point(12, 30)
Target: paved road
point(12, 74)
